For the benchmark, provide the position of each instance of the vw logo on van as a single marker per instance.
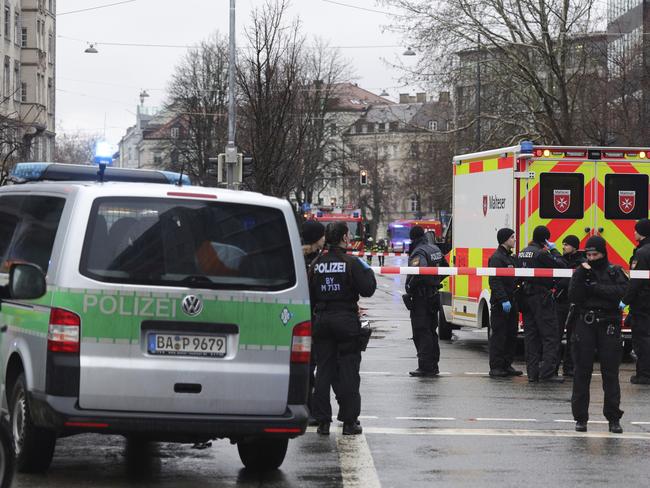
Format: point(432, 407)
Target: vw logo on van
point(192, 305)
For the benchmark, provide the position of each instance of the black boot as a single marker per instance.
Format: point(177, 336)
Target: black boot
point(323, 428)
point(352, 429)
point(581, 426)
point(615, 427)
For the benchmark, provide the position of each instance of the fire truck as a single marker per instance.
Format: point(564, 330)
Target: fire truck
point(398, 232)
point(352, 218)
point(582, 191)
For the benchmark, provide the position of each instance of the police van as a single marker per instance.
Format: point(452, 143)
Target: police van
point(171, 313)
point(576, 190)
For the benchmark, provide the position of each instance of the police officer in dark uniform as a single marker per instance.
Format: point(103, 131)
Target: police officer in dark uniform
point(637, 297)
point(504, 314)
point(313, 241)
point(336, 281)
point(596, 288)
point(573, 258)
point(422, 293)
point(540, 321)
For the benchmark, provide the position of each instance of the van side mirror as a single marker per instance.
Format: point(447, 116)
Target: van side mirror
point(26, 281)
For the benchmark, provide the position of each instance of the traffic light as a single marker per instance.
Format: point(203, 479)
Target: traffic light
point(363, 177)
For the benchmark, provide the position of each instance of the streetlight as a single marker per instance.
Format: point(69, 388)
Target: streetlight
point(384, 93)
point(91, 49)
point(408, 52)
point(231, 148)
point(143, 95)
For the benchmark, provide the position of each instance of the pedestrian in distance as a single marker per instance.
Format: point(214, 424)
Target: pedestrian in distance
point(370, 247)
point(313, 241)
point(336, 281)
point(541, 340)
point(573, 258)
point(504, 314)
point(596, 288)
point(381, 248)
point(637, 297)
point(422, 300)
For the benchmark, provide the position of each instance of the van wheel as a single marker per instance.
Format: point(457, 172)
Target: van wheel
point(262, 454)
point(33, 446)
point(444, 327)
point(7, 460)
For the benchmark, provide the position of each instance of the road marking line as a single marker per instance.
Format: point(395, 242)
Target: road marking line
point(425, 418)
point(357, 467)
point(573, 421)
point(386, 373)
point(367, 417)
point(640, 423)
point(503, 433)
point(488, 419)
point(476, 373)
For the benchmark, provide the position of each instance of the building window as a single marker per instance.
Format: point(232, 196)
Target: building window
point(332, 129)
point(7, 22)
point(382, 127)
point(50, 48)
point(433, 125)
point(157, 159)
point(23, 36)
point(17, 28)
point(50, 95)
point(7, 77)
point(393, 126)
point(16, 88)
point(174, 132)
point(413, 202)
point(23, 92)
point(50, 6)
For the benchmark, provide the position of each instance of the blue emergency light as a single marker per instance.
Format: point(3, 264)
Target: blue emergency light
point(356, 215)
point(526, 147)
point(319, 214)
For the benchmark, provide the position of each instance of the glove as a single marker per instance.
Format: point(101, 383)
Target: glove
point(549, 244)
point(621, 305)
point(507, 306)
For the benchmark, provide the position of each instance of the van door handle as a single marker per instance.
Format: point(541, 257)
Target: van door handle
point(587, 230)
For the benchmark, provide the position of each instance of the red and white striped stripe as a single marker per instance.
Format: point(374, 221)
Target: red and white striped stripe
point(372, 253)
point(507, 272)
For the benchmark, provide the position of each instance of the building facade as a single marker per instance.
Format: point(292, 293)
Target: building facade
point(28, 54)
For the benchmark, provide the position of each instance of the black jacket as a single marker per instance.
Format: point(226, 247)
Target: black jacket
point(537, 256)
point(424, 254)
point(601, 287)
point(502, 288)
point(562, 285)
point(637, 295)
point(338, 279)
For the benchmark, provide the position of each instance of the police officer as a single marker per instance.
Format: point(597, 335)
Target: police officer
point(381, 249)
point(596, 288)
point(336, 281)
point(313, 241)
point(637, 297)
point(573, 258)
point(424, 300)
point(504, 315)
point(540, 320)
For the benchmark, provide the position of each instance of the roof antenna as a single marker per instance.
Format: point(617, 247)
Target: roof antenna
point(101, 171)
point(180, 176)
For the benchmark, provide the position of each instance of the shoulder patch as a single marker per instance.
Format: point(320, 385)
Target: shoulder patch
point(415, 261)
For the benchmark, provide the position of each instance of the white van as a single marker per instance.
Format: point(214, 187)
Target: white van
point(172, 313)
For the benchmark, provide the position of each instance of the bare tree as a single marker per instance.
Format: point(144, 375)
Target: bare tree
point(197, 103)
point(74, 147)
point(272, 83)
point(530, 42)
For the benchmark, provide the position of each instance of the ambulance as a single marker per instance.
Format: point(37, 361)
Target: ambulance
point(583, 191)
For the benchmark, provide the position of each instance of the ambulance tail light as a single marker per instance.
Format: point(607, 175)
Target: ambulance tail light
point(301, 343)
point(643, 154)
point(64, 331)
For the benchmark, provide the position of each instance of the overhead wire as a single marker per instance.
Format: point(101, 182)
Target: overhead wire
point(97, 7)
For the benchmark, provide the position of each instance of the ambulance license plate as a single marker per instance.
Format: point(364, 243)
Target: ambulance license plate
point(186, 345)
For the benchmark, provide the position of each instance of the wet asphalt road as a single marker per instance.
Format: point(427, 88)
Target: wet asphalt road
point(461, 429)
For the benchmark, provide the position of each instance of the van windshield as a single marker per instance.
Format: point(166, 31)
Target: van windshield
point(195, 244)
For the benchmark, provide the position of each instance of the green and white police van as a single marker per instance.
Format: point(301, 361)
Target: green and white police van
point(171, 313)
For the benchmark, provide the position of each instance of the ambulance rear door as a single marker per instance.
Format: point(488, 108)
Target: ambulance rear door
point(622, 199)
point(557, 193)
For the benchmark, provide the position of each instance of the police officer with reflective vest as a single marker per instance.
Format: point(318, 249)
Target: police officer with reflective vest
point(423, 301)
point(637, 297)
point(540, 321)
point(504, 314)
point(573, 258)
point(336, 280)
point(596, 288)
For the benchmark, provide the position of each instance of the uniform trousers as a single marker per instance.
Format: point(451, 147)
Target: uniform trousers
point(567, 358)
point(640, 324)
point(503, 336)
point(338, 359)
point(424, 322)
point(540, 336)
point(586, 340)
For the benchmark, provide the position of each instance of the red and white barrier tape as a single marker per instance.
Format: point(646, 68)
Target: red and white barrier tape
point(506, 272)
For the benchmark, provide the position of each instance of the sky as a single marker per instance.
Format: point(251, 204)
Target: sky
point(97, 94)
